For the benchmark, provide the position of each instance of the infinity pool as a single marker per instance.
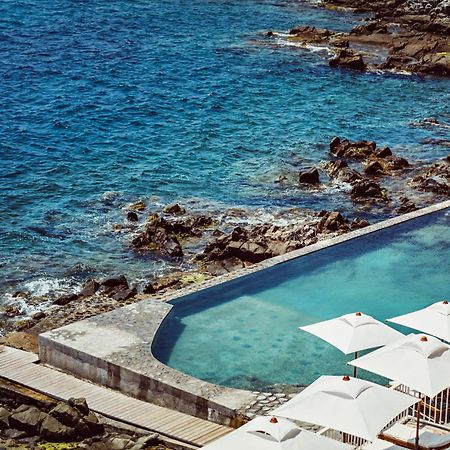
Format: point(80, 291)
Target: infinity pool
point(244, 333)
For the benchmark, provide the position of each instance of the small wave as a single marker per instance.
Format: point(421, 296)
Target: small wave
point(44, 286)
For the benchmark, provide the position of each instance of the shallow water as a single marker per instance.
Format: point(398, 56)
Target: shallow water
point(104, 103)
point(245, 333)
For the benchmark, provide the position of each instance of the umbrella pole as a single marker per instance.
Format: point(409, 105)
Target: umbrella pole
point(354, 367)
point(419, 406)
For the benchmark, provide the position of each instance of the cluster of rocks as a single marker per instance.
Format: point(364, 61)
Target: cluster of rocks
point(115, 287)
point(248, 245)
point(419, 45)
point(435, 179)
point(163, 235)
point(64, 422)
point(377, 163)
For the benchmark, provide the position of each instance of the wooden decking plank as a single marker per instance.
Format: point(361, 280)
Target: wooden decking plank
point(19, 366)
point(199, 431)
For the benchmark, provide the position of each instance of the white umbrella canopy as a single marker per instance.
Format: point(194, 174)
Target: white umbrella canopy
point(271, 433)
point(434, 320)
point(349, 405)
point(418, 361)
point(354, 332)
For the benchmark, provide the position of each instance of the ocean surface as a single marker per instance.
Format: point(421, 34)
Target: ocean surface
point(105, 103)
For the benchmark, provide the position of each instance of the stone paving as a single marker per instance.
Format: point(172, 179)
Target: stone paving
point(266, 402)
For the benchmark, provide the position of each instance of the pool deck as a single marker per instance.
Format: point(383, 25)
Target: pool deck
point(114, 349)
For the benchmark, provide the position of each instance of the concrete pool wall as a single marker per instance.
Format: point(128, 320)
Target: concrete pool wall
point(115, 349)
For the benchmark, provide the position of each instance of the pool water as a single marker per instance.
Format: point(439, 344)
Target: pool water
point(244, 333)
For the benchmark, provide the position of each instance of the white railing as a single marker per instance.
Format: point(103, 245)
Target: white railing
point(435, 410)
point(354, 441)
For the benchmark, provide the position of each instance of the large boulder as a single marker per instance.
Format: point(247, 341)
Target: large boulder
point(66, 414)
point(374, 168)
point(89, 288)
point(80, 404)
point(27, 418)
point(349, 60)
point(310, 176)
point(65, 299)
point(125, 294)
point(53, 430)
point(4, 418)
point(366, 189)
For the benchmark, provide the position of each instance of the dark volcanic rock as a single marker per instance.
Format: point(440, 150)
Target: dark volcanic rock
point(114, 281)
point(332, 221)
point(374, 168)
point(65, 299)
point(132, 216)
point(80, 404)
point(366, 189)
point(125, 294)
point(406, 206)
point(89, 288)
point(356, 150)
point(348, 59)
point(383, 152)
point(163, 235)
point(310, 176)
point(174, 209)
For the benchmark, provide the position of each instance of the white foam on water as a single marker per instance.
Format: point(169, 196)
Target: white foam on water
point(44, 286)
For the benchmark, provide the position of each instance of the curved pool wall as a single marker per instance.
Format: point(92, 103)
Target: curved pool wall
point(115, 349)
point(244, 333)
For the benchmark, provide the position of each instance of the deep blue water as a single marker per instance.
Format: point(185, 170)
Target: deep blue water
point(103, 103)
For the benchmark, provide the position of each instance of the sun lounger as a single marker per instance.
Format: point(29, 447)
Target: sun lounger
point(405, 436)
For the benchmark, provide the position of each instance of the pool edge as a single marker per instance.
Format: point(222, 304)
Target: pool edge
point(130, 366)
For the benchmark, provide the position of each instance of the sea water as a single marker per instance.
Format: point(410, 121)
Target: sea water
point(105, 103)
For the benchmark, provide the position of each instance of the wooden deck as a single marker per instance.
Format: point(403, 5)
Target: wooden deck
point(18, 366)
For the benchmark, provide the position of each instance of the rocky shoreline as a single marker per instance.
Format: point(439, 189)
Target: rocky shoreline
point(204, 246)
point(404, 36)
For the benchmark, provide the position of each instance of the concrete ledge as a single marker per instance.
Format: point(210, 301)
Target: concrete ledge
point(115, 349)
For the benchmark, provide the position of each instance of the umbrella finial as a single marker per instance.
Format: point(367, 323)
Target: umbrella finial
point(273, 420)
point(359, 313)
point(346, 378)
point(445, 302)
point(424, 339)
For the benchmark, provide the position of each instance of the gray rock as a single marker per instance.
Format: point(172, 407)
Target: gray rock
point(54, 431)
point(118, 443)
point(94, 425)
point(4, 416)
point(80, 404)
point(66, 414)
point(27, 418)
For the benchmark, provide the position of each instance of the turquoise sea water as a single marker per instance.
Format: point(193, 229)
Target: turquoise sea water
point(106, 102)
point(245, 333)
